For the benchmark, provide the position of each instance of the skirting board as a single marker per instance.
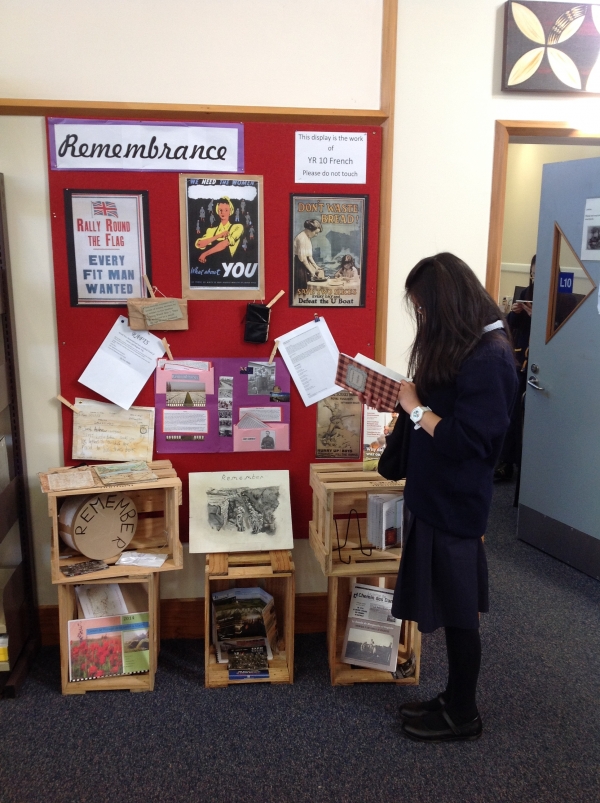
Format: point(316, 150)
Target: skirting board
point(576, 548)
point(184, 618)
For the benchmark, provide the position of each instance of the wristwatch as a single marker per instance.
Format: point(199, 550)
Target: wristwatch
point(417, 414)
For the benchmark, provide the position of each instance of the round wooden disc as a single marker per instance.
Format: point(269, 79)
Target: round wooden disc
point(99, 526)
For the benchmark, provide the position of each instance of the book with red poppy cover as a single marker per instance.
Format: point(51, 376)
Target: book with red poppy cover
point(108, 646)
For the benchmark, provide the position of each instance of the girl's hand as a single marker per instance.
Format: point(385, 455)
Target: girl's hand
point(407, 397)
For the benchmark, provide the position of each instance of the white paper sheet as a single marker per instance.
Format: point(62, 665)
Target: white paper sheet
point(311, 356)
point(590, 239)
point(101, 600)
point(123, 364)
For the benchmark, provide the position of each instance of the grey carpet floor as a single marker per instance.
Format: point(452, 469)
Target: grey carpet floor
point(538, 696)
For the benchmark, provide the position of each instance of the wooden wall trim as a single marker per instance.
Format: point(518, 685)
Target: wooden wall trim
point(187, 111)
point(505, 129)
point(388, 98)
point(184, 618)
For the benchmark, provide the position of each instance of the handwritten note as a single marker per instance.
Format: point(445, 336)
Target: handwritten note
point(70, 480)
point(104, 431)
point(167, 310)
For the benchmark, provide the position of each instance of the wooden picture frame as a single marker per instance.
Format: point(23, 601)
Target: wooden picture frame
point(227, 268)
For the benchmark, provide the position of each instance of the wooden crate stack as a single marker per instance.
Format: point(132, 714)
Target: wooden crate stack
point(157, 531)
point(339, 541)
point(274, 571)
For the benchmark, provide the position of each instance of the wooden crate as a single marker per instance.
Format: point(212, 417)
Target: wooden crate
point(157, 531)
point(342, 674)
point(273, 571)
point(337, 489)
point(67, 610)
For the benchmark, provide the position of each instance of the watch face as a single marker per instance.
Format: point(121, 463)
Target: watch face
point(416, 414)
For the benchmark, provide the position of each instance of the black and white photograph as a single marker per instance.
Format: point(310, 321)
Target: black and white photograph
point(368, 646)
point(237, 511)
point(328, 250)
point(186, 394)
point(221, 236)
point(225, 424)
point(267, 439)
point(261, 382)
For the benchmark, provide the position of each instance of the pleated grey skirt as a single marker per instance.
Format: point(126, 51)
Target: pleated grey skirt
point(443, 579)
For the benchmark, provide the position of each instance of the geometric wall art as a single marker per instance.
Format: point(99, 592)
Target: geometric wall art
point(551, 47)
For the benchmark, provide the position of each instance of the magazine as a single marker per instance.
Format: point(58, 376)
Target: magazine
point(372, 633)
point(240, 617)
point(109, 645)
point(248, 663)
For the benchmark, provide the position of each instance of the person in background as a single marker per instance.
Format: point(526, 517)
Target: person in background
point(460, 402)
point(519, 322)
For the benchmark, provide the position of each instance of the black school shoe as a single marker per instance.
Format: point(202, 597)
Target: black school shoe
point(411, 711)
point(438, 727)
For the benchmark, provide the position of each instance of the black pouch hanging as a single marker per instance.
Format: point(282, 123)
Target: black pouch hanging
point(394, 460)
point(256, 329)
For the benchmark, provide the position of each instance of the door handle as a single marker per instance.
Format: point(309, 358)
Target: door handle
point(533, 381)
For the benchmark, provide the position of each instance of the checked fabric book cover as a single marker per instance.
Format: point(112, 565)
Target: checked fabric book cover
point(361, 375)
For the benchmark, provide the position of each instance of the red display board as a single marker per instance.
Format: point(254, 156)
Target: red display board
point(216, 327)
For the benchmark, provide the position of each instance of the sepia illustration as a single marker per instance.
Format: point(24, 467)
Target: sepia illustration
point(338, 427)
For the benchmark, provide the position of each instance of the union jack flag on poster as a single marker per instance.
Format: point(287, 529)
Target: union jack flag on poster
point(106, 208)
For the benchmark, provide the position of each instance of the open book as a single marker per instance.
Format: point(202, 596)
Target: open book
point(360, 374)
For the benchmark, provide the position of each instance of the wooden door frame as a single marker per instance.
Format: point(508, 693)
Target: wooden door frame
point(505, 129)
point(383, 117)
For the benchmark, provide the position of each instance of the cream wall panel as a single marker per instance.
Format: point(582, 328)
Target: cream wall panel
point(447, 100)
point(23, 162)
point(317, 53)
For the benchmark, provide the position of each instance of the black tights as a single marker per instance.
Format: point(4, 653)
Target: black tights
point(464, 660)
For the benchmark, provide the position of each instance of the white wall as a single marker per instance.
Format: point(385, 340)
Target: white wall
point(318, 53)
point(447, 100)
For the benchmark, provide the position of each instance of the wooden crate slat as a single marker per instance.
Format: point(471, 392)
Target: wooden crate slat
point(218, 563)
point(280, 560)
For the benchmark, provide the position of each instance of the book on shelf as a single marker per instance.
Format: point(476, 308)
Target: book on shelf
point(243, 617)
point(385, 513)
point(248, 663)
point(361, 374)
point(108, 646)
point(372, 633)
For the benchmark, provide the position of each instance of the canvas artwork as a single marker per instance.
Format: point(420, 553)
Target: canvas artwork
point(551, 47)
point(240, 511)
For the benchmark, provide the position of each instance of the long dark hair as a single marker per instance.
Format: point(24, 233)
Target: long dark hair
point(451, 308)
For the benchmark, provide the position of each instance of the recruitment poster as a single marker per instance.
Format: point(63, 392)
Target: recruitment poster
point(328, 250)
point(221, 237)
point(108, 246)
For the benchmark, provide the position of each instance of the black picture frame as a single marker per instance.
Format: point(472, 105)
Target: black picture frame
point(144, 266)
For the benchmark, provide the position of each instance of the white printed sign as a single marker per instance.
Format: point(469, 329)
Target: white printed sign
point(129, 145)
point(331, 157)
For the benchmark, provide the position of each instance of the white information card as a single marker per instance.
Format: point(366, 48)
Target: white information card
point(331, 157)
